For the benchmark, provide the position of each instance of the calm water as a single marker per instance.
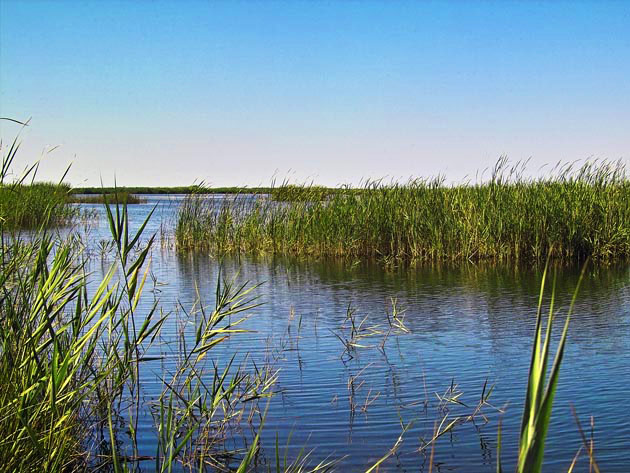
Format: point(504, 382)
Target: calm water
point(467, 324)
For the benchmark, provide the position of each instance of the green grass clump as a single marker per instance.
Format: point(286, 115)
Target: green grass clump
point(294, 193)
point(580, 212)
point(33, 205)
point(122, 197)
point(29, 205)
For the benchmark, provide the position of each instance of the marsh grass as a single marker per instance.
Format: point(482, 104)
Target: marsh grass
point(580, 212)
point(25, 203)
point(35, 204)
point(70, 361)
point(73, 403)
point(295, 193)
point(121, 197)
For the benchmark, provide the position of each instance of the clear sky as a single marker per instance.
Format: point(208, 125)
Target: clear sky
point(233, 93)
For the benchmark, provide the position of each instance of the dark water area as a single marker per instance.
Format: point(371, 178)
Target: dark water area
point(466, 324)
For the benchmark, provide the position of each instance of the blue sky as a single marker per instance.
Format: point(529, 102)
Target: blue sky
point(233, 93)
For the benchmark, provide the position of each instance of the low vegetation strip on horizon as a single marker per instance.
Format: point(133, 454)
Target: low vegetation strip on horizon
point(581, 212)
point(169, 190)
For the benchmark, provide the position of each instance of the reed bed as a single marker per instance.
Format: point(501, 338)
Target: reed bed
point(580, 212)
point(28, 204)
point(307, 193)
point(122, 197)
point(33, 205)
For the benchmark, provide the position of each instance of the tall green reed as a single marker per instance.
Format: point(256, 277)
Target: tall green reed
point(542, 383)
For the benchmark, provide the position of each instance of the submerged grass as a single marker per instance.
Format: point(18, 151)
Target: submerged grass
point(579, 212)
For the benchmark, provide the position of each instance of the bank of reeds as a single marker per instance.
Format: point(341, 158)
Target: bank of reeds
point(307, 193)
point(35, 204)
point(581, 212)
point(28, 204)
point(122, 197)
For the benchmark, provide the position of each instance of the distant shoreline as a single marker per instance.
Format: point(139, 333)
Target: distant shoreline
point(170, 190)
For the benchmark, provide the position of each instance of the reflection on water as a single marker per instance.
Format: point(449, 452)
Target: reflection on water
point(466, 324)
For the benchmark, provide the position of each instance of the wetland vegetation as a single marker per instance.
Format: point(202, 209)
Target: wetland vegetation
point(580, 212)
point(25, 203)
point(175, 190)
point(121, 197)
point(71, 355)
point(33, 205)
point(285, 282)
point(70, 359)
point(72, 348)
